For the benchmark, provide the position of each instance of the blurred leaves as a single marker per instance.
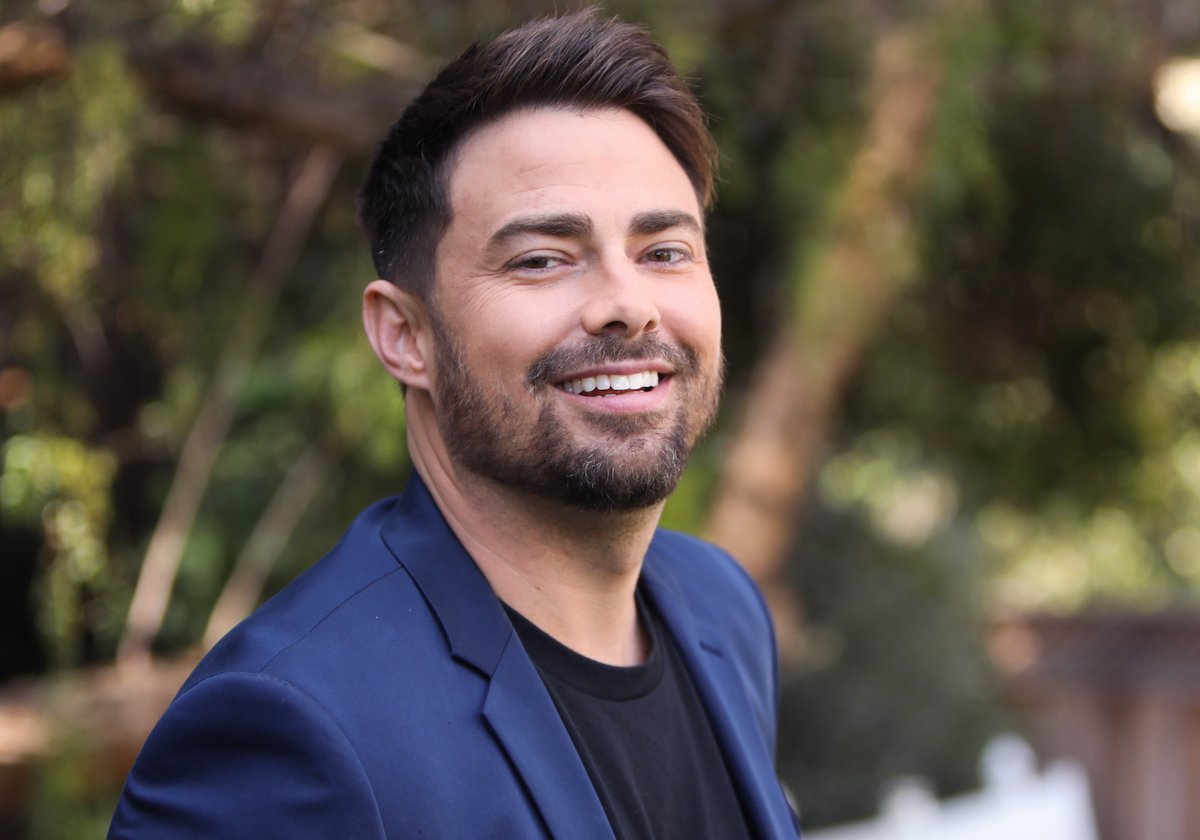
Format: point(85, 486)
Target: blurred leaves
point(65, 488)
point(1039, 367)
point(72, 145)
point(1022, 431)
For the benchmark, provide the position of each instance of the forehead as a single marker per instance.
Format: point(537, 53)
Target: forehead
point(606, 163)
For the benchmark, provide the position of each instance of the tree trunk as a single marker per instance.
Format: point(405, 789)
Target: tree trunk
point(869, 256)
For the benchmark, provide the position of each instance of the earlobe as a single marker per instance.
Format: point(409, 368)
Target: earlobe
point(397, 325)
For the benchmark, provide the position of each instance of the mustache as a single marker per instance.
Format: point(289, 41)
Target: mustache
point(557, 364)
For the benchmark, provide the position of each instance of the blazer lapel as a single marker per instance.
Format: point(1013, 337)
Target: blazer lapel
point(724, 697)
point(517, 708)
point(525, 720)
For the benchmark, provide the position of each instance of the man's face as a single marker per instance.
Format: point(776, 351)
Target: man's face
point(578, 328)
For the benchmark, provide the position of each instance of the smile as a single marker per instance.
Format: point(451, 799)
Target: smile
point(604, 384)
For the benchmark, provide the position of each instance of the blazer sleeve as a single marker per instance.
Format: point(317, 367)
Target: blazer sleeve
point(246, 755)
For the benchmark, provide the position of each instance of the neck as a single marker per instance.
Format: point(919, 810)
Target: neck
point(571, 572)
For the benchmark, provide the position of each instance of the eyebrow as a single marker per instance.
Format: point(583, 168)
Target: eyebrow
point(579, 226)
point(565, 225)
point(656, 221)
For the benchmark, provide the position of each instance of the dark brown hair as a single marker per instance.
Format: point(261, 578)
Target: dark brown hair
point(577, 61)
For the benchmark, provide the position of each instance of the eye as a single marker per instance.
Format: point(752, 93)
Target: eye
point(536, 262)
point(666, 255)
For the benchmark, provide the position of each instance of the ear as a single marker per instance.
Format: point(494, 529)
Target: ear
point(398, 326)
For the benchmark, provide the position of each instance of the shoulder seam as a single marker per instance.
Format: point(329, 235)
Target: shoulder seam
point(312, 628)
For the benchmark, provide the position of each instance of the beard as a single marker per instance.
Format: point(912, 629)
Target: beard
point(638, 458)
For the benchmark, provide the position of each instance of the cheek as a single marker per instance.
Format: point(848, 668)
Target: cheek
point(695, 318)
point(503, 333)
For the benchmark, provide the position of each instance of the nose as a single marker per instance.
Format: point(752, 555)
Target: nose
point(620, 302)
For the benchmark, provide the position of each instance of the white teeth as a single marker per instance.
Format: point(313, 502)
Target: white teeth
point(615, 382)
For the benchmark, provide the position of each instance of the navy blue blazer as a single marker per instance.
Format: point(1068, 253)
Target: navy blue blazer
point(384, 693)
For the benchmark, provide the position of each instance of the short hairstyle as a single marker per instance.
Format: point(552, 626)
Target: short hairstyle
point(576, 61)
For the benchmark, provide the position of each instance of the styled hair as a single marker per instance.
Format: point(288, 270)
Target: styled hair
point(576, 61)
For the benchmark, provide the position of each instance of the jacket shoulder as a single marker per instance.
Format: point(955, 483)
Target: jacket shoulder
point(357, 564)
point(247, 756)
point(711, 581)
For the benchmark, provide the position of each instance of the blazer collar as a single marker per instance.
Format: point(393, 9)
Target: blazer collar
point(470, 615)
point(517, 708)
point(721, 689)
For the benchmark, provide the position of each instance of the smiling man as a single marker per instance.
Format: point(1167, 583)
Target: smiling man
point(511, 648)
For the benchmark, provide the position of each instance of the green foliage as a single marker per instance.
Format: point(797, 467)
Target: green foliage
point(1043, 364)
point(62, 153)
point(69, 803)
point(63, 487)
point(48, 226)
point(787, 92)
point(1021, 434)
point(226, 21)
point(895, 680)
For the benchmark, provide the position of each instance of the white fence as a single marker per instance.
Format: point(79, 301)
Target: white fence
point(1016, 803)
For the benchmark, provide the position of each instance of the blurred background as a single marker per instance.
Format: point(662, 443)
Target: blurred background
point(957, 246)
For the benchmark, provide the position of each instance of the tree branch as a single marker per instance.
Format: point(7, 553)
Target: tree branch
point(270, 536)
point(30, 54)
point(241, 93)
point(207, 436)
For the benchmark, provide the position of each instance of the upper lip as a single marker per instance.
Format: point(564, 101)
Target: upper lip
point(624, 368)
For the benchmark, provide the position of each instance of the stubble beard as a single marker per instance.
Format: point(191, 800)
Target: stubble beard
point(638, 462)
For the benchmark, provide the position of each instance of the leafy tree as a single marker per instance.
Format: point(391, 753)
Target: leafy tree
point(1001, 407)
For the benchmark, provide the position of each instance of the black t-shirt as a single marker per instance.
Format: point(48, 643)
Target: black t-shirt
point(643, 736)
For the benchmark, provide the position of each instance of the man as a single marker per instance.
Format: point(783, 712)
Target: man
point(510, 648)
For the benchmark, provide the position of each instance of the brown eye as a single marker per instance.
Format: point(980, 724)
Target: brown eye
point(665, 255)
point(536, 262)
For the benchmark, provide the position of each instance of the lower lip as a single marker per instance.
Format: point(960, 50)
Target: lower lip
point(626, 402)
